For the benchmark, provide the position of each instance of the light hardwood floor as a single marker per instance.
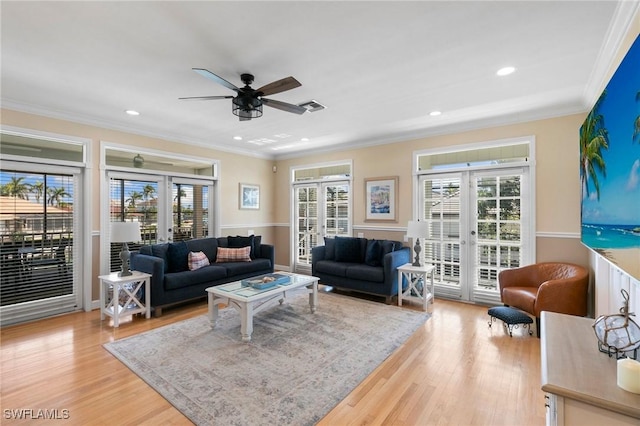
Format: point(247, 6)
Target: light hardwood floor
point(454, 370)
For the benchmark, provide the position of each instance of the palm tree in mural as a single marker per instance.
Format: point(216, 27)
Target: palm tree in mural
point(56, 195)
point(38, 190)
point(16, 188)
point(593, 139)
point(636, 125)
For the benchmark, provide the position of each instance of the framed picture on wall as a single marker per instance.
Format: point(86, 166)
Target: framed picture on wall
point(381, 201)
point(249, 196)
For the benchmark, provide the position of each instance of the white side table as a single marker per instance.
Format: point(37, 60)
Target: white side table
point(414, 275)
point(119, 295)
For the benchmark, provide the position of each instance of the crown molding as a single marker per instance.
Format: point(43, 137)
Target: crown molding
point(13, 105)
point(624, 16)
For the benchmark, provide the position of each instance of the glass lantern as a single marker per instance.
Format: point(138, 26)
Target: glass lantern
point(618, 334)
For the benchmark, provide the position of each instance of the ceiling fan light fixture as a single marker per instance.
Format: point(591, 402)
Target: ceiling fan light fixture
point(246, 108)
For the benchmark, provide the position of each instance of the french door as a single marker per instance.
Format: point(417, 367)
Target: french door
point(321, 209)
point(479, 224)
point(167, 208)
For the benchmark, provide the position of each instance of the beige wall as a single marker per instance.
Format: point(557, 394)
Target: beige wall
point(557, 183)
point(234, 169)
point(557, 180)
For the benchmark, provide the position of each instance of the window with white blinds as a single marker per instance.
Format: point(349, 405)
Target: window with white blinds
point(133, 201)
point(37, 236)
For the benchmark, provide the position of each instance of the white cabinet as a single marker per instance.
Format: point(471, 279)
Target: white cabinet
point(580, 381)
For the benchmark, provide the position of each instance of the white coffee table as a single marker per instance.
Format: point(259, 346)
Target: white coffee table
point(249, 301)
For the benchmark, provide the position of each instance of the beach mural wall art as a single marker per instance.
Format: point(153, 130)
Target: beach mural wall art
point(610, 168)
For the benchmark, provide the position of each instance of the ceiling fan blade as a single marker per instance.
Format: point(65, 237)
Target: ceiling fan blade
point(282, 85)
point(204, 98)
point(211, 76)
point(296, 109)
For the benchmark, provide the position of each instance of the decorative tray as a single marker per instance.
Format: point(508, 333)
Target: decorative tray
point(265, 281)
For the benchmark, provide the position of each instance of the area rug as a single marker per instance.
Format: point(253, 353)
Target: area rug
point(296, 368)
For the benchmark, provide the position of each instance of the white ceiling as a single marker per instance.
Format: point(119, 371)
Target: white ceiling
point(379, 67)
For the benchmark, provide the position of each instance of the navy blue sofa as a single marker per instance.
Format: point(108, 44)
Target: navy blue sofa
point(360, 264)
point(171, 280)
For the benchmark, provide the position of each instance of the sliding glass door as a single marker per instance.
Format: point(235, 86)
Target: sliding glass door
point(39, 225)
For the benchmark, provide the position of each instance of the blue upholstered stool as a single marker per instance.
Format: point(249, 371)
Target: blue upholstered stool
point(511, 318)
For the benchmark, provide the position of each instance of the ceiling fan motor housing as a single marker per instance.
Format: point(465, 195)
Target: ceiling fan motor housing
point(246, 78)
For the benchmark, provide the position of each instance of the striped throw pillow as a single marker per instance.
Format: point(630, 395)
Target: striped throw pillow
point(233, 254)
point(197, 260)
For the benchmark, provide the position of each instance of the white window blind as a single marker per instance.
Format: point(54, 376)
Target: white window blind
point(37, 233)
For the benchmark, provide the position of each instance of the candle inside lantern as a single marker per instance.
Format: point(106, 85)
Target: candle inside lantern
point(629, 375)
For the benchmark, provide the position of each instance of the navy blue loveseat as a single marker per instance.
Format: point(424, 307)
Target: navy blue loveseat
point(171, 280)
point(359, 264)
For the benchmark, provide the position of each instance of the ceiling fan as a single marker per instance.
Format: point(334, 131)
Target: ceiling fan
point(247, 104)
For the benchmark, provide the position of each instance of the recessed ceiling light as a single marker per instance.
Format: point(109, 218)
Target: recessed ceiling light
point(435, 113)
point(304, 140)
point(238, 138)
point(132, 112)
point(505, 71)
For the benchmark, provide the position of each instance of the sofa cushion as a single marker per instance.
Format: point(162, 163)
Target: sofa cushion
point(157, 250)
point(348, 249)
point(197, 260)
point(207, 274)
point(329, 248)
point(208, 246)
point(250, 241)
point(242, 268)
point(177, 254)
point(373, 256)
point(257, 243)
point(332, 267)
point(364, 272)
point(389, 246)
point(233, 254)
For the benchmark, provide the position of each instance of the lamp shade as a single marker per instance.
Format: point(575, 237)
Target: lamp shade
point(417, 229)
point(124, 232)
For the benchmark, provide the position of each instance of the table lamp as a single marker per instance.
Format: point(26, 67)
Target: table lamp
point(124, 232)
point(417, 230)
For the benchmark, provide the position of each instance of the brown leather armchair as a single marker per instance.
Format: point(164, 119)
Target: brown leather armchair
point(550, 286)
